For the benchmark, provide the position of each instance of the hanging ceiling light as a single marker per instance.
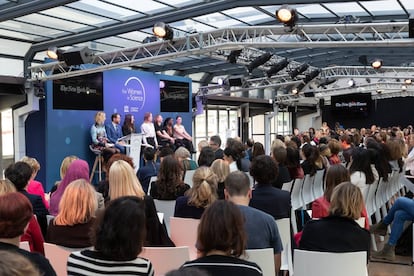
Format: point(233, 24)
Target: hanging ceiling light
point(351, 83)
point(311, 75)
point(287, 16)
point(163, 31)
point(260, 60)
point(55, 53)
point(275, 68)
point(298, 70)
point(376, 64)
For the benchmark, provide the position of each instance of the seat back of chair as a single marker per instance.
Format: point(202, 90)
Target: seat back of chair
point(314, 263)
point(165, 259)
point(318, 184)
point(58, 257)
point(287, 186)
point(152, 179)
point(370, 199)
point(264, 258)
point(184, 233)
point(167, 207)
point(307, 193)
point(296, 194)
point(25, 245)
point(188, 177)
point(283, 225)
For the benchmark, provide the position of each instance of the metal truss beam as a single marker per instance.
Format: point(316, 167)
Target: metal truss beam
point(216, 42)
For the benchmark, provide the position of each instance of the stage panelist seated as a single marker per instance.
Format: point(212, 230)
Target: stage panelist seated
point(114, 132)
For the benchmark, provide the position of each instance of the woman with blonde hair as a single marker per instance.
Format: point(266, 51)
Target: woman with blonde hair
point(63, 169)
point(199, 197)
point(221, 169)
point(338, 232)
point(98, 134)
point(35, 187)
point(76, 216)
point(33, 234)
point(184, 156)
point(124, 182)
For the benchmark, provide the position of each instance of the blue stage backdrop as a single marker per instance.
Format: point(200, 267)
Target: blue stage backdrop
point(67, 131)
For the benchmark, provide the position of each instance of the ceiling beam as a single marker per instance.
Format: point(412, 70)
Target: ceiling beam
point(24, 7)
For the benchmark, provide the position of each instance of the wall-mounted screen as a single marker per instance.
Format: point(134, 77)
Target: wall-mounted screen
point(79, 93)
point(355, 103)
point(174, 96)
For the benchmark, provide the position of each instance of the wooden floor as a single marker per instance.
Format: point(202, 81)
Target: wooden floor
point(388, 269)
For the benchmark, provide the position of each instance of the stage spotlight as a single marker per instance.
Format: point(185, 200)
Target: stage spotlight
point(277, 67)
point(351, 83)
point(403, 87)
point(298, 88)
point(376, 64)
point(379, 91)
point(54, 53)
point(220, 81)
point(232, 58)
point(260, 60)
point(163, 31)
point(287, 16)
point(311, 75)
point(408, 81)
point(77, 56)
point(298, 70)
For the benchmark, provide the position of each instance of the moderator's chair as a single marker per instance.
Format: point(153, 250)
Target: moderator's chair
point(58, 258)
point(165, 259)
point(264, 258)
point(97, 163)
point(184, 233)
point(167, 208)
point(314, 263)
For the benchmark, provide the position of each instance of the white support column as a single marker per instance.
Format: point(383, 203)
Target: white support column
point(19, 118)
point(268, 120)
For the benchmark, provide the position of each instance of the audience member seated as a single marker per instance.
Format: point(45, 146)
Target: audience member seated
point(313, 160)
point(78, 169)
point(77, 208)
point(338, 232)
point(123, 182)
point(335, 148)
point(325, 153)
point(98, 135)
point(114, 132)
point(35, 187)
point(149, 170)
point(279, 155)
point(19, 174)
point(184, 157)
point(238, 154)
point(33, 234)
point(400, 212)
point(182, 138)
point(170, 184)
point(269, 199)
point(396, 152)
point(293, 163)
point(249, 148)
point(257, 150)
point(12, 263)
point(128, 126)
point(63, 169)
point(215, 145)
point(200, 196)
point(15, 213)
point(206, 157)
point(231, 157)
point(379, 154)
point(335, 175)
point(346, 144)
point(361, 171)
point(117, 239)
point(220, 244)
point(221, 169)
point(239, 192)
point(201, 145)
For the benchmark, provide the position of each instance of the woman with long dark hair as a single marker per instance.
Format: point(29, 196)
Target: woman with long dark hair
point(128, 127)
point(361, 171)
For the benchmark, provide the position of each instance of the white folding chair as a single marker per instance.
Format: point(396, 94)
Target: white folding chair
point(165, 259)
point(152, 179)
point(296, 194)
point(307, 194)
point(188, 178)
point(287, 186)
point(184, 233)
point(314, 263)
point(167, 207)
point(371, 208)
point(58, 257)
point(264, 258)
point(283, 225)
point(318, 184)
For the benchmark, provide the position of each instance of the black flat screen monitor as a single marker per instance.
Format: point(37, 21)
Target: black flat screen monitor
point(174, 96)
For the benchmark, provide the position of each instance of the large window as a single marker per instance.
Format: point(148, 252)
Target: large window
point(7, 133)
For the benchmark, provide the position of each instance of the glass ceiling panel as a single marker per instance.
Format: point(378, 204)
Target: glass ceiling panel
point(104, 9)
point(45, 20)
point(313, 11)
point(218, 20)
point(181, 3)
point(349, 8)
point(3, 2)
point(384, 7)
point(189, 25)
point(81, 17)
point(249, 15)
point(143, 6)
point(30, 28)
point(408, 4)
point(19, 35)
point(138, 36)
point(12, 47)
point(117, 41)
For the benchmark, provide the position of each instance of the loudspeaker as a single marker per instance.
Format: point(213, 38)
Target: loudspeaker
point(411, 27)
point(77, 56)
point(236, 81)
point(309, 94)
